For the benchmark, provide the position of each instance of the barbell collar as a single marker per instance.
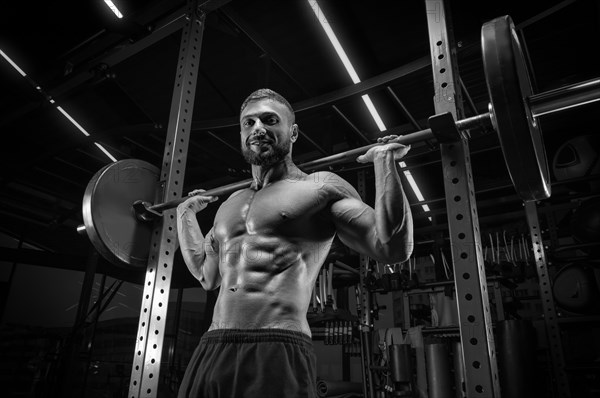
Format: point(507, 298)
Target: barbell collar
point(143, 211)
point(444, 128)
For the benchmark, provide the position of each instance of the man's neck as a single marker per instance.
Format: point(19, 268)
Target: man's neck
point(264, 175)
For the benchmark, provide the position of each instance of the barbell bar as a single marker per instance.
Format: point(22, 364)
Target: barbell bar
point(122, 197)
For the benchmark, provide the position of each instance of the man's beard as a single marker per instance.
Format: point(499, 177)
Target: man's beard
point(274, 155)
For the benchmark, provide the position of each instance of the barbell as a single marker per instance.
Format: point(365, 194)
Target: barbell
point(121, 199)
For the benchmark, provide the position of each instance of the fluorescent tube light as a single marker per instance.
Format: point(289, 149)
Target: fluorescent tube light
point(366, 99)
point(51, 101)
point(111, 157)
point(345, 60)
point(374, 113)
point(414, 186)
point(14, 65)
point(334, 41)
point(113, 8)
point(61, 110)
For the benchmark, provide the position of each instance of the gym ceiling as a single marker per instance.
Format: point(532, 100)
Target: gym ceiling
point(115, 78)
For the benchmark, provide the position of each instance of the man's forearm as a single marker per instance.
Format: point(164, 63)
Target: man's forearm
point(393, 217)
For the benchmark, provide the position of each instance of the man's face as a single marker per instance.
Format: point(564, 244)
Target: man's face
point(266, 131)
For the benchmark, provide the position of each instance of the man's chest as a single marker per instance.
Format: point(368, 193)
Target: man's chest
point(283, 208)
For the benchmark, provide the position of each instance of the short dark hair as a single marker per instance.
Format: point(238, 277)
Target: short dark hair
point(267, 93)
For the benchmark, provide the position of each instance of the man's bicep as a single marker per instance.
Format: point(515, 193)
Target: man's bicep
point(211, 245)
point(355, 223)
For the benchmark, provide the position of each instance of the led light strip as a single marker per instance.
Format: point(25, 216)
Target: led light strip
point(113, 8)
point(59, 108)
point(366, 99)
point(415, 187)
point(345, 60)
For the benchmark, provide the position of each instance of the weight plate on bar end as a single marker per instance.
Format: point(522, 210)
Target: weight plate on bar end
point(509, 87)
point(110, 222)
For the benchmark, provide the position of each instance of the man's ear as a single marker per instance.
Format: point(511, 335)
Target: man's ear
point(294, 136)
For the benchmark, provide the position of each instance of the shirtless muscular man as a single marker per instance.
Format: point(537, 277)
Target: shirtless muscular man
point(266, 248)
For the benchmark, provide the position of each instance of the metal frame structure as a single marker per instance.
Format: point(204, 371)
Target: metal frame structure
point(481, 372)
point(153, 313)
point(561, 382)
point(438, 287)
point(364, 303)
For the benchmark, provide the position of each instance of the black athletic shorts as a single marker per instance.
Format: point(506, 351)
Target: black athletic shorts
point(248, 363)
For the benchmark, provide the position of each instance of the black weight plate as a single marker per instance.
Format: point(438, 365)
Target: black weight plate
point(110, 222)
point(509, 87)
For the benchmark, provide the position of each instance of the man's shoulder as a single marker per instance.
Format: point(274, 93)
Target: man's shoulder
point(325, 177)
point(235, 194)
point(333, 183)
